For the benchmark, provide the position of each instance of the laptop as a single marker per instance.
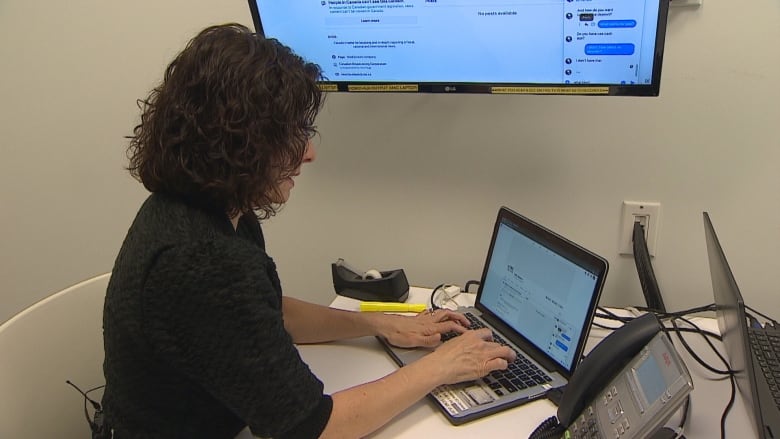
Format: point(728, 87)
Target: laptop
point(757, 373)
point(538, 293)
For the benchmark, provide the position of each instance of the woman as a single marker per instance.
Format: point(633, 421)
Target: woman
point(199, 340)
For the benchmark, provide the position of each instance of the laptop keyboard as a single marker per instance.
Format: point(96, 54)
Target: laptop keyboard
point(766, 346)
point(521, 374)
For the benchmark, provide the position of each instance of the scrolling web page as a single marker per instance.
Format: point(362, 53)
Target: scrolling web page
point(498, 41)
point(539, 293)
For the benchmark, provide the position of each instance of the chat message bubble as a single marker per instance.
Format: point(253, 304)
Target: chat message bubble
point(617, 24)
point(610, 49)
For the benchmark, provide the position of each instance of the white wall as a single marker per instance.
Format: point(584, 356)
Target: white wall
point(410, 181)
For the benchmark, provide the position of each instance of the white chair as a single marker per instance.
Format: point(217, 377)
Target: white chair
point(57, 339)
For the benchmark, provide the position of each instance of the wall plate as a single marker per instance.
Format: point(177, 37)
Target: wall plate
point(648, 213)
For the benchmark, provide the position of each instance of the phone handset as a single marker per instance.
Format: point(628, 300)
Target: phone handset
point(608, 358)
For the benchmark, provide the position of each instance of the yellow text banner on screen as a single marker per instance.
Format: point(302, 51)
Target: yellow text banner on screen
point(551, 90)
point(383, 87)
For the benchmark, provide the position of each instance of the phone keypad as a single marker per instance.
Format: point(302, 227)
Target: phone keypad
point(585, 427)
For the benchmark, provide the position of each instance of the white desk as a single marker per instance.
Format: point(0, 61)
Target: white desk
point(344, 364)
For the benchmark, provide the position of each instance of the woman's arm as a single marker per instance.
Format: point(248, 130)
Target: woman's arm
point(310, 323)
point(360, 410)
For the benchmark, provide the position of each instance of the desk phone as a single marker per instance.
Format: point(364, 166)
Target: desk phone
point(640, 398)
point(627, 387)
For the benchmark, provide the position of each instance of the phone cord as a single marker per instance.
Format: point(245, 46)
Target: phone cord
point(548, 429)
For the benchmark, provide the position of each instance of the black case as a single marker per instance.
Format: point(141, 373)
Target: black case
point(391, 287)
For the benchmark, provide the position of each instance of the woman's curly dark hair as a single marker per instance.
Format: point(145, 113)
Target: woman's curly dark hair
point(230, 120)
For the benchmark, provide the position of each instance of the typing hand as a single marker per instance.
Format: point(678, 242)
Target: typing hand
point(423, 330)
point(472, 355)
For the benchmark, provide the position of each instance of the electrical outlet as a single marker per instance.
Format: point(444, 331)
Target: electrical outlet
point(647, 213)
point(685, 2)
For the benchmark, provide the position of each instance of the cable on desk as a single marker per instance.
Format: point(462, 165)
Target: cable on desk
point(609, 315)
point(684, 418)
point(728, 408)
point(683, 313)
point(688, 348)
point(660, 314)
point(447, 296)
point(548, 429)
point(433, 293)
point(729, 373)
point(702, 332)
point(599, 325)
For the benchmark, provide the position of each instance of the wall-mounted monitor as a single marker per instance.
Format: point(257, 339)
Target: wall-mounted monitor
point(592, 47)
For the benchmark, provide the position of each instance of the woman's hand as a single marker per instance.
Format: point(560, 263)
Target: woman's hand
point(422, 330)
point(472, 355)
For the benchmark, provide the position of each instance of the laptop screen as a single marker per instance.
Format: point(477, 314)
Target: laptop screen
point(539, 293)
point(730, 313)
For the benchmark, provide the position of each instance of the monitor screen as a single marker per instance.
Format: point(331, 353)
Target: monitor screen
point(592, 47)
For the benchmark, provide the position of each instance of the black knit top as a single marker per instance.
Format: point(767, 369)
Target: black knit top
point(195, 345)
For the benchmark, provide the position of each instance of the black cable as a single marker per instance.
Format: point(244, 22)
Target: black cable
point(694, 355)
point(728, 408)
point(599, 325)
point(433, 293)
point(470, 283)
point(609, 315)
point(685, 312)
point(696, 329)
point(440, 287)
point(550, 428)
point(672, 317)
point(645, 271)
point(701, 332)
point(729, 372)
point(731, 377)
point(685, 411)
point(95, 405)
point(712, 346)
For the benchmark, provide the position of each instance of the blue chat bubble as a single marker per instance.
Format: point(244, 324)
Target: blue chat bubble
point(609, 49)
point(612, 24)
